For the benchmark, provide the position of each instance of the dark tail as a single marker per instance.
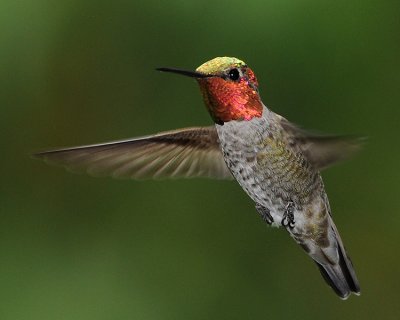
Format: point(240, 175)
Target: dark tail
point(341, 277)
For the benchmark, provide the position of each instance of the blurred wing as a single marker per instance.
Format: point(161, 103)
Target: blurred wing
point(184, 153)
point(322, 151)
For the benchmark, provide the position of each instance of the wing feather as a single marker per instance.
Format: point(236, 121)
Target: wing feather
point(322, 151)
point(185, 153)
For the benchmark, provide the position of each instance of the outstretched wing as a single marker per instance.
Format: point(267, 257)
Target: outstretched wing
point(184, 153)
point(322, 151)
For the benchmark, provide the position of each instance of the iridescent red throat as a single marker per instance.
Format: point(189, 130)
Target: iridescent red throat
point(228, 100)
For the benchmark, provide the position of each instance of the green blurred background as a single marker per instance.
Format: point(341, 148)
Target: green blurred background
point(79, 72)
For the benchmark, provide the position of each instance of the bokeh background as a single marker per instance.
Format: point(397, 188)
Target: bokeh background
point(78, 72)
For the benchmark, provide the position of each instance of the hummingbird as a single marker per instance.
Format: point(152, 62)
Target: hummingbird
point(276, 163)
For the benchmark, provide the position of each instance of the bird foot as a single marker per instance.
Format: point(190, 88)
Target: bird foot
point(288, 216)
point(265, 213)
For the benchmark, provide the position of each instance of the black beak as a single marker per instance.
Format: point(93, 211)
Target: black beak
point(192, 74)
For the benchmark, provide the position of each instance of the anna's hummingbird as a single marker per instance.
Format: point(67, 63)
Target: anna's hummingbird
point(276, 163)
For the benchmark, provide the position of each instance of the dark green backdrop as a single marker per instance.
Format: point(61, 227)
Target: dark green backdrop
point(77, 72)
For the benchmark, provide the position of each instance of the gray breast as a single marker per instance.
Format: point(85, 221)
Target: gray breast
point(268, 169)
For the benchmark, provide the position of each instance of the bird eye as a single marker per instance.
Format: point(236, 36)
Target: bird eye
point(234, 74)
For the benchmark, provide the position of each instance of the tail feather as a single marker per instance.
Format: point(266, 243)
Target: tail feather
point(341, 277)
point(327, 250)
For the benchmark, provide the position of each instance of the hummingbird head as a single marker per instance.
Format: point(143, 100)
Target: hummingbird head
point(229, 88)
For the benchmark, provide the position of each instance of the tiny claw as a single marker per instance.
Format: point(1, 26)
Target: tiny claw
point(288, 216)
